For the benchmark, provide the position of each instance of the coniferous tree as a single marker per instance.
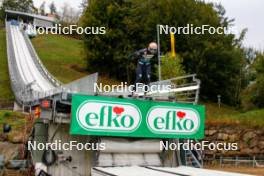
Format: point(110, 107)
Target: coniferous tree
point(217, 59)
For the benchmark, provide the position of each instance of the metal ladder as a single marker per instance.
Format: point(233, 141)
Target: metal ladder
point(193, 158)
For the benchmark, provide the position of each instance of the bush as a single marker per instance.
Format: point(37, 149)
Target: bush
point(7, 114)
point(170, 67)
point(253, 95)
point(258, 96)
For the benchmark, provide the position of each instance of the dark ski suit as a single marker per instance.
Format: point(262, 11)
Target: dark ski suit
point(143, 70)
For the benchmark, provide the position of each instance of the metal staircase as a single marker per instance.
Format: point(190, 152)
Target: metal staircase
point(193, 158)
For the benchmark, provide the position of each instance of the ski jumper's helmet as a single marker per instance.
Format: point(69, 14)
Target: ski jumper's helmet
point(152, 48)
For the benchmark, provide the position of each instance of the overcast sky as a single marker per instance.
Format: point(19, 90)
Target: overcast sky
point(59, 3)
point(247, 14)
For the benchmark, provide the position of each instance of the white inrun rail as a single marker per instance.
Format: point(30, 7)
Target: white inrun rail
point(30, 80)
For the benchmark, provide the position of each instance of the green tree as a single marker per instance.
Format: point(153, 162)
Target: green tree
point(170, 67)
point(253, 94)
point(258, 96)
point(107, 53)
point(24, 6)
point(216, 59)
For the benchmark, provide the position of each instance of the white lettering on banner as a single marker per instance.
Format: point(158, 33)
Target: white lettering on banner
point(100, 115)
point(173, 120)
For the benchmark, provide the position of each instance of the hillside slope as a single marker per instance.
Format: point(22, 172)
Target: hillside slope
point(62, 56)
point(5, 89)
point(229, 115)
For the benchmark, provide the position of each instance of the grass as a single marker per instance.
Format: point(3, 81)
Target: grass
point(63, 56)
point(230, 116)
point(15, 119)
point(5, 89)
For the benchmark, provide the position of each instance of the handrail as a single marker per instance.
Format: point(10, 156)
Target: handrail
point(15, 79)
point(39, 63)
point(23, 92)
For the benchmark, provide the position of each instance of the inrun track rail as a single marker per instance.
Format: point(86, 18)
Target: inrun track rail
point(30, 81)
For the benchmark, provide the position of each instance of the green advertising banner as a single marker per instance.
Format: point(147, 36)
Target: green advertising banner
point(105, 116)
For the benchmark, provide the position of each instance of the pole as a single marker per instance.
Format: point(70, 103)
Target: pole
point(158, 42)
point(172, 44)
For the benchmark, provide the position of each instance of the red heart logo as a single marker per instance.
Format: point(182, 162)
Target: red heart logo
point(181, 114)
point(118, 110)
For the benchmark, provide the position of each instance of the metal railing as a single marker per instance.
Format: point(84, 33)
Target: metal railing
point(6, 104)
point(16, 81)
point(183, 89)
point(39, 63)
point(194, 158)
point(24, 94)
point(237, 161)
